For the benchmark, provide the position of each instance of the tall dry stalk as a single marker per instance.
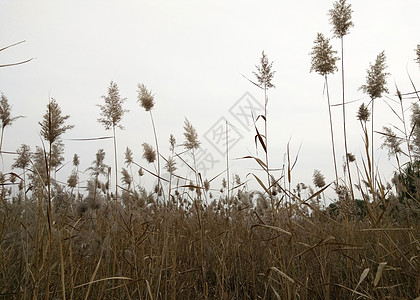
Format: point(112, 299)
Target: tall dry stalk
point(340, 18)
point(191, 143)
point(363, 115)
point(146, 98)
point(52, 127)
point(170, 165)
point(264, 75)
point(98, 168)
point(323, 62)
point(112, 113)
point(375, 86)
point(227, 157)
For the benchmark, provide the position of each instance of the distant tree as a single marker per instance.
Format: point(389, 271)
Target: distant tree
point(112, 113)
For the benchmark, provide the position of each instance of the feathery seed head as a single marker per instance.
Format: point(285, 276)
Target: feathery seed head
point(363, 113)
point(24, 157)
point(76, 160)
point(318, 179)
point(100, 156)
point(126, 178)
point(170, 165)
point(145, 97)
point(323, 59)
point(237, 179)
point(112, 111)
point(376, 78)
point(52, 125)
point(391, 142)
point(264, 74)
point(72, 180)
point(418, 54)
point(128, 156)
point(172, 143)
point(340, 18)
point(149, 153)
point(98, 166)
point(191, 136)
point(206, 185)
point(224, 183)
point(5, 112)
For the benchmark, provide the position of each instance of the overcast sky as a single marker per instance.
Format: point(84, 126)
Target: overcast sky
point(193, 55)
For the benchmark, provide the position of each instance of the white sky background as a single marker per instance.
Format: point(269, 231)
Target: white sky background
point(192, 54)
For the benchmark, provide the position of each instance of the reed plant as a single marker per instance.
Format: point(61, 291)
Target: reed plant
point(5, 116)
point(264, 75)
point(146, 98)
point(273, 242)
point(323, 62)
point(340, 18)
point(375, 87)
point(112, 113)
point(52, 127)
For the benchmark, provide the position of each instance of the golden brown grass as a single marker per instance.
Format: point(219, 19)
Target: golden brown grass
point(155, 253)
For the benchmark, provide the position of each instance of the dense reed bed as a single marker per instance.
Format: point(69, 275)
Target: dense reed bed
point(228, 249)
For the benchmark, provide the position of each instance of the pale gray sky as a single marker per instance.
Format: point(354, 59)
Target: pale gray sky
point(193, 54)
